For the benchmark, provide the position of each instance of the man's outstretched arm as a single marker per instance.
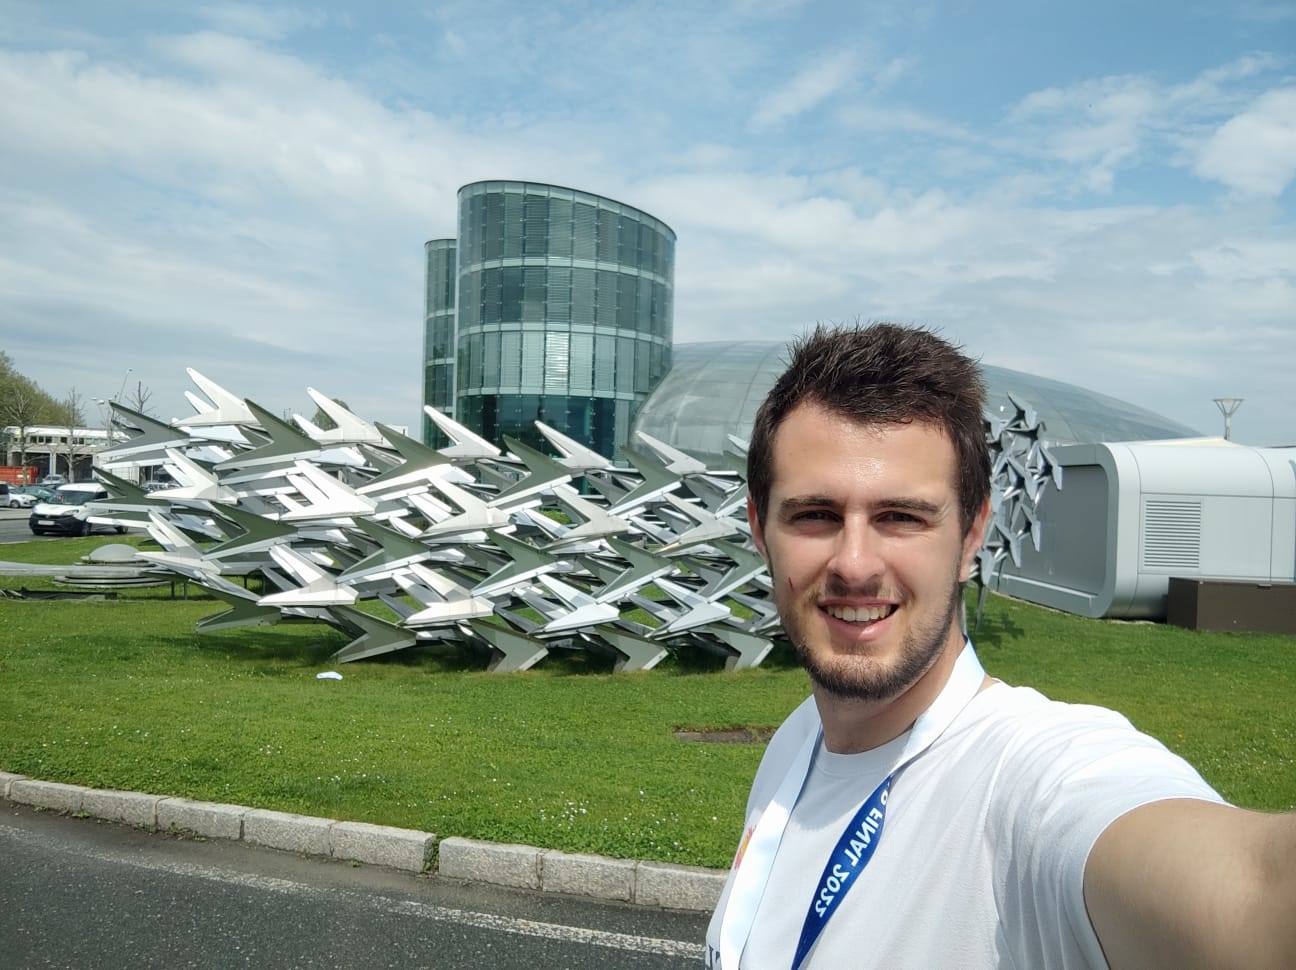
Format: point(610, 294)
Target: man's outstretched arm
point(1184, 883)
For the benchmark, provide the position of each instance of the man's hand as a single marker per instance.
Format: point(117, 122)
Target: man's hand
point(1185, 883)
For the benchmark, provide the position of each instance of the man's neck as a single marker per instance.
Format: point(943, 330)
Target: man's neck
point(851, 726)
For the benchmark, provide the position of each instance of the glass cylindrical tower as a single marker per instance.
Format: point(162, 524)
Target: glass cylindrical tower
point(439, 330)
point(564, 312)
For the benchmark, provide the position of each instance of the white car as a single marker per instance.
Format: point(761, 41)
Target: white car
point(18, 500)
point(66, 512)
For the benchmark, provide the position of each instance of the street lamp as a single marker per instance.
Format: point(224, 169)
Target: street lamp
point(106, 408)
point(1228, 407)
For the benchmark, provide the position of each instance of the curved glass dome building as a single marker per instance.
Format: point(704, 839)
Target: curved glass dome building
point(714, 389)
point(564, 312)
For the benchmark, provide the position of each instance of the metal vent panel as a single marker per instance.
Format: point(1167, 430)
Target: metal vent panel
point(1171, 534)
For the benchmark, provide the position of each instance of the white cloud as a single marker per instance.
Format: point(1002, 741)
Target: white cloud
point(1255, 151)
point(231, 206)
point(808, 88)
point(262, 22)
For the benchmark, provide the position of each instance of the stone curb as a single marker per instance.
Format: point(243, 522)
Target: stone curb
point(645, 883)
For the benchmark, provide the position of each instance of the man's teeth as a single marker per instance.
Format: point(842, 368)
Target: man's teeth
point(860, 614)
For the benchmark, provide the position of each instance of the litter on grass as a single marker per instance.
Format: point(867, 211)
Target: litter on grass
point(329, 675)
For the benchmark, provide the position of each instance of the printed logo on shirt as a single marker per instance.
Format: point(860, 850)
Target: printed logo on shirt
point(742, 846)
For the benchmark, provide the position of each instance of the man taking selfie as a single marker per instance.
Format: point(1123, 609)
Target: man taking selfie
point(914, 812)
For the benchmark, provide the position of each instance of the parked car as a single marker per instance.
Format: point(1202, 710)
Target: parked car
point(66, 512)
point(17, 498)
point(39, 492)
point(54, 481)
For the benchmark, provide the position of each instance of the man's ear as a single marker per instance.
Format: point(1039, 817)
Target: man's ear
point(758, 534)
point(973, 541)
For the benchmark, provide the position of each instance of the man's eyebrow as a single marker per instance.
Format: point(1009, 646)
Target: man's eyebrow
point(921, 506)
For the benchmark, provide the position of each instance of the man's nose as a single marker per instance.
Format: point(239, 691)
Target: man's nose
point(857, 559)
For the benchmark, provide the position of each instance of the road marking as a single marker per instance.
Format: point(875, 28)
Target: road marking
point(375, 901)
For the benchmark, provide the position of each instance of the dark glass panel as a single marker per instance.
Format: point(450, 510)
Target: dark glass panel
point(582, 295)
point(607, 235)
point(627, 300)
point(583, 241)
point(625, 364)
point(493, 227)
point(627, 241)
point(490, 359)
point(558, 295)
point(535, 216)
point(605, 314)
point(533, 292)
point(512, 224)
point(560, 227)
point(510, 359)
point(491, 296)
point(511, 294)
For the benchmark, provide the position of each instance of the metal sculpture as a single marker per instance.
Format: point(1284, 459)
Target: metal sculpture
point(508, 550)
point(396, 543)
point(1020, 468)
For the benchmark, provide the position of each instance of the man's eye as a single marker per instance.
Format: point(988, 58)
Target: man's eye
point(814, 515)
point(900, 518)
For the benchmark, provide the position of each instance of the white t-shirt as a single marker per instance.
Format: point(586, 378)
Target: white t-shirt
point(981, 860)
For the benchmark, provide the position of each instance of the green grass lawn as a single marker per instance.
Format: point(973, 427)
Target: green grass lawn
point(124, 694)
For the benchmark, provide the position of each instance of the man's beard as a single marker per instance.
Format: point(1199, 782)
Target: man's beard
point(862, 679)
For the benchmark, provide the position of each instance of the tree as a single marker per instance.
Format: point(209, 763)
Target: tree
point(23, 404)
point(137, 398)
point(74, 406)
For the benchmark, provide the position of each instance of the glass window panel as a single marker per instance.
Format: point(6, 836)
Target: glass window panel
point(470, 216)
point(512, 227)
point(625, 364)
point(627, 240)
point(647, 248)
point(490, 359)
point(560, 227)
point(510, 359)
point(583, 245)
point(604, 364)
point(582, 296)
point(490, 296)
point(511, 294)
point(643, 350)
point(605, 313)
point(627, 300)
point(555, 362)
point(532, 360)
point(558, 294)
point(533, 292)
point(493, 227)
point(643, 308)
point(607, 235)
point(622, 422)
point(581, 368)
point(535, 215)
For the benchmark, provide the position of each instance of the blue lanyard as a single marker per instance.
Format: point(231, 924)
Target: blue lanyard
point(852, 853)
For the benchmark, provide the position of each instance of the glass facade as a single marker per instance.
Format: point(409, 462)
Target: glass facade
point(564, 312)
point(714, 390)
point(439, 331)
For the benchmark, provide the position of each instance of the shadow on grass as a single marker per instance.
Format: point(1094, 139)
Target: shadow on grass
point(996, 629)
point(269, 645)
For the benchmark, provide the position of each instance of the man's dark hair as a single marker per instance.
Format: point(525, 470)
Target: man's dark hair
point(882, 373)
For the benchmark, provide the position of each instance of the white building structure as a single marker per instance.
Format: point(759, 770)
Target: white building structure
point(1131, 515)
point(49, 448)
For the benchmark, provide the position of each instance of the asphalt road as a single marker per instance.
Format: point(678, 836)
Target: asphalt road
point(13, 526)
point(83, 893)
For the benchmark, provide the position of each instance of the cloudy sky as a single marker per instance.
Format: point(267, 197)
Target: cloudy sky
point(1100, 193)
